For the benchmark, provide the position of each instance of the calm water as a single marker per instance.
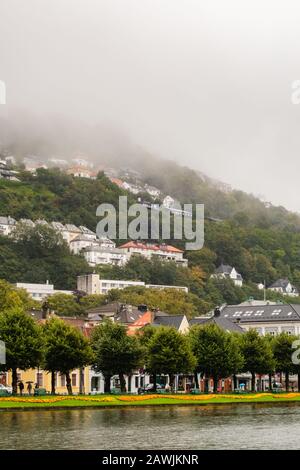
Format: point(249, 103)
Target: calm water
point(211, 427)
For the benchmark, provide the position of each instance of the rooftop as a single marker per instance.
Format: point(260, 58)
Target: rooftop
point(151, 247)
point(261, 313)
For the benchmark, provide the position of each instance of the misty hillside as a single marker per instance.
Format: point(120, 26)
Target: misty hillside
point(107, 147)
point(266, 250)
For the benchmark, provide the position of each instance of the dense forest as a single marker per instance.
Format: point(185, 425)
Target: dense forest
point(262, 243)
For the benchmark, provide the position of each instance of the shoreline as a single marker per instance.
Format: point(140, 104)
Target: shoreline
point(124, 401)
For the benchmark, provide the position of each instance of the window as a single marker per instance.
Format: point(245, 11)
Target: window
point(276, 311)
point(63, 380)
point(271, 331)
point(39, 379)
point(74, 381)
point(136, 381)
point(290, 330)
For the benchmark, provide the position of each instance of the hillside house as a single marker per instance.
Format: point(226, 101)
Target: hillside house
point(284, 287)
point(228, 272)
point(163, 251)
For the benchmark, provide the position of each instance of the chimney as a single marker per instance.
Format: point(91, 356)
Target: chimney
point(143, 308)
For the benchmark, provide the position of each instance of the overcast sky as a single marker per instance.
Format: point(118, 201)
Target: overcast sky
point(204, 82)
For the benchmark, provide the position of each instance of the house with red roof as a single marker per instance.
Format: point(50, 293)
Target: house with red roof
point(160, 251)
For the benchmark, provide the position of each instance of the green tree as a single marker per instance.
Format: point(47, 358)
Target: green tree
point(258, 355)
point(65, 349)
point(115, 353)
point(169, 352)
point(23, 342)
point(64, 304)
point(217, 352)
point(282, 350)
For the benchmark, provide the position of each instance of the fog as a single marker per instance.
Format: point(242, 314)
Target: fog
point(205, 83)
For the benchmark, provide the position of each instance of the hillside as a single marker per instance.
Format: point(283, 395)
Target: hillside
point(190, 186)
point(267, 250)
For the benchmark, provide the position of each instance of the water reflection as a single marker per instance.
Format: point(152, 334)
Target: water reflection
point(252, 426)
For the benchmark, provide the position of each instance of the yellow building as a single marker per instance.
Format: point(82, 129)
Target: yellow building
point(43, 379)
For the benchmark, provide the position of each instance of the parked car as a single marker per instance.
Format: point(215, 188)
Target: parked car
point(5, 388)
point(149, 388)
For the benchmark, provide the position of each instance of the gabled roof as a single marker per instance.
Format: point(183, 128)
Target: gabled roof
point(142, 321)
point(72, 228)
point(112, 307)
point(128, 315)
point(281, 283)
point(86, 230)
point(222, 322)
point(224, 269)
point(81, 238)
point(151, 247)
point(169, 320)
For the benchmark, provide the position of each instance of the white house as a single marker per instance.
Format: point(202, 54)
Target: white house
point(6, 173)
point(81, 172)
point(154, 192)
point(96, 254)
point(7, 224)
point(168, 202)
point(40, 291)
point(228, 272)
point(69, 232)
point(80, 242)
point(284, 287)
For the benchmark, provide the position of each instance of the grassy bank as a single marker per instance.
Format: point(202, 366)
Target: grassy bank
point(49, 402)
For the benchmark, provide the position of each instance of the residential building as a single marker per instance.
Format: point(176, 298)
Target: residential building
point(89, 283)
point(161, 287)
point(228, 272)
point(58, 162)
point(81, 172)
point(179, 322)
point(216, 319)
point(154, 192)
point(162, 251)
point(7, 225)
point(40, 291)
point(265, 318)
point(80, 242)
point(169, 202)
point(96, 254)
point(6, 173)
point(174, 207)
point(92, 284)
point(81, 161)
point(284, 287)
